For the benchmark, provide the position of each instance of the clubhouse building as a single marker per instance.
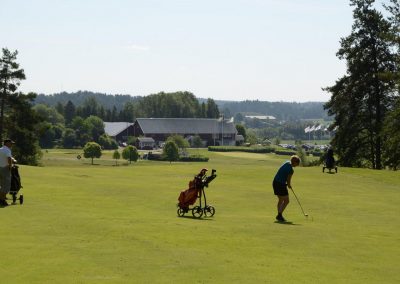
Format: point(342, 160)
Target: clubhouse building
point(153, 132)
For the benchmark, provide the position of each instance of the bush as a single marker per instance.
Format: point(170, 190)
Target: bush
point(260, 149)
point(285, 152)
point(155, 156)
point(194, 158)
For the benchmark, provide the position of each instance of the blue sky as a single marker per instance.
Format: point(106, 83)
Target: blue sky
point(270, 50)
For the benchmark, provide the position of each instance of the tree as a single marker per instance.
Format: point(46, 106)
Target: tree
point(361, 98)
point(22, 126)
point(391, 132)
point(212, 109)
point(10, 78)
point(391, 128)
point(241, 130)
point(92, 150)
point(197, 142)
point(82, 131)
point(130, 153)
point(69, 139)
point(107, 143)
point(49, 114)
point(170, 151)
point(251, 137)
point(180, 141)
point(90, 107)
point(96, 127)
point(69, 112)
point(116, 157)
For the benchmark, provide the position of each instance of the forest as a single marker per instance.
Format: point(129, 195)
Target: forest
point(120, 103)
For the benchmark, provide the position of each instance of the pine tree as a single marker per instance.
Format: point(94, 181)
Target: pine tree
point(10, 77)
point(361, 98)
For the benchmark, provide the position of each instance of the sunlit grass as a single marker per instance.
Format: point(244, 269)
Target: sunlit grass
point(118, 224)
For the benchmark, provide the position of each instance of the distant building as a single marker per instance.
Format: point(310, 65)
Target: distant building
point(261, 117)
point(145, 143)
point(211, 131)
point(119, 130)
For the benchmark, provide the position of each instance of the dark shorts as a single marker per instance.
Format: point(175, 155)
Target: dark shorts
point(280, 189)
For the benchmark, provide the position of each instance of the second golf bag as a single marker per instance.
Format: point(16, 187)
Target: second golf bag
point(16, 185)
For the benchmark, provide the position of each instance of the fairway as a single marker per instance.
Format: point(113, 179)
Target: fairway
point(102, 223)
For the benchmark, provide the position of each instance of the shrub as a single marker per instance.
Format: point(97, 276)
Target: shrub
point(285, 152)
point(194, 158)
point(260, 149)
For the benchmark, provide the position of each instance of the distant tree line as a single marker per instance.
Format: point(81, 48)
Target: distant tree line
point(283, 111)
point(162, 105)
point(120, 107)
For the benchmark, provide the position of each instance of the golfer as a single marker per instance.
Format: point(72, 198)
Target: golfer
point(281, 182)
point(5, 170)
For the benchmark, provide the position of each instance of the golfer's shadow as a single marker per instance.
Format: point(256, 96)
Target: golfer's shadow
point(287, 223)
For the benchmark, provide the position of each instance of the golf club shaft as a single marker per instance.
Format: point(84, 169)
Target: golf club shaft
point(298, 201)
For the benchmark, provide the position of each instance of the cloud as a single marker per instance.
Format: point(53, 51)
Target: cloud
point(137, 47)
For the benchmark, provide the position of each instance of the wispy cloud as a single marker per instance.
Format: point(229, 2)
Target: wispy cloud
point(137, 47)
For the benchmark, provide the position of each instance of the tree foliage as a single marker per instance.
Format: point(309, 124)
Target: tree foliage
point(171, 151)
point(241, 130)
point(92, 150)
point(391, 133)
point(116, 156)
point(130, 153)
point(11, 76)
point(17, 118)
point(180, 141)
point(361, 98)
point(21, 125)
point(197, 142)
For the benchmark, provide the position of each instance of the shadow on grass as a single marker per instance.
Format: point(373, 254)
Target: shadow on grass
point(197, 219)
point(287, 223)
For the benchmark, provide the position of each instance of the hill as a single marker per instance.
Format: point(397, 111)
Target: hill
point(281, 110)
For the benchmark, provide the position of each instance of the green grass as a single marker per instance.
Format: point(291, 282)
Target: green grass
point(118, 224)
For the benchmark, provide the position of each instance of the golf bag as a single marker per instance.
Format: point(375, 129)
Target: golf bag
point(16, 185)
point(329, 162)
point(189, 196)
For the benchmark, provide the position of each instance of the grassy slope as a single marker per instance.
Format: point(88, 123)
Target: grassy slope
point(108, 224)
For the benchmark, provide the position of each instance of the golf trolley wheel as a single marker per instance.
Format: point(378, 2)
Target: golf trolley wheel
point(197, 212)
point(209, 211)
point(14, 197)
point(21, 199)
point(180, 212)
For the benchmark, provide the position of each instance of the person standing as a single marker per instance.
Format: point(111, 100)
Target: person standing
point(5, 170)
point(282, 181)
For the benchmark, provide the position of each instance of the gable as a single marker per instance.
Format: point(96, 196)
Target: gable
point(114, 128)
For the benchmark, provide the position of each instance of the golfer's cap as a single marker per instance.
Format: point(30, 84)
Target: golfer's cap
point(8, 141)
point(204, 170)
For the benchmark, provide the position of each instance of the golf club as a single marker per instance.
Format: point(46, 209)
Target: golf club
point(298, 201)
